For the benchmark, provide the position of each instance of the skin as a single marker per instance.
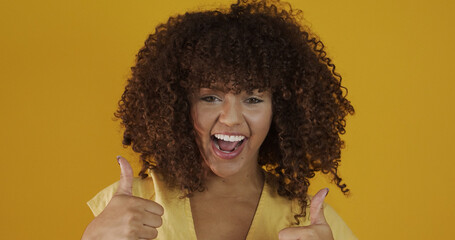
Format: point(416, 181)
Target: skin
point(239, 178)
point(214, 111)
point(319, 229)
point(138, 220)
point(233, 185)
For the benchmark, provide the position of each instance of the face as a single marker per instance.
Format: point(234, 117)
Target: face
point(231, 128)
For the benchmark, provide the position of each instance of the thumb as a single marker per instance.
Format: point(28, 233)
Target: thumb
point(125, 185)
point(316, 210)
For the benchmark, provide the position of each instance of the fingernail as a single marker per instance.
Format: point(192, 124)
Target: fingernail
point(327, 192)
point(118, 159)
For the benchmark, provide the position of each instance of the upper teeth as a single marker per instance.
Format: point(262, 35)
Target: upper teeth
point(228, 138)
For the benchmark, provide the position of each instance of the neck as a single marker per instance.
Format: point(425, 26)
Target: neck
point(242, 184)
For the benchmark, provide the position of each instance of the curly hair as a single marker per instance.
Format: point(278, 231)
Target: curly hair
point(254, 45)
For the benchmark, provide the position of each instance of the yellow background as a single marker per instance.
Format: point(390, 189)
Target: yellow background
point(63, 69)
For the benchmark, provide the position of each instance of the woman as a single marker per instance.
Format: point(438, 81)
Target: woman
point(232, 112)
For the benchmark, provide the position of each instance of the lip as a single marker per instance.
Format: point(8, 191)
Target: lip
point(230, 155)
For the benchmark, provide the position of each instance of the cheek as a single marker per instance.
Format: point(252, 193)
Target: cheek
point(264, 126)
point(200, 121)
point(261, 122)
point(196, 125)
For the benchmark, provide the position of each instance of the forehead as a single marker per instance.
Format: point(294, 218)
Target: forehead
point(234, 87)
point(226, 78)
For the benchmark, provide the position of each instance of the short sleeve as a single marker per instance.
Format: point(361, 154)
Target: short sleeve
point(339, 228)
point(142, 188)
point(102, 198)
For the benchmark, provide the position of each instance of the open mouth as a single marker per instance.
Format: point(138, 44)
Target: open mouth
point(228, 146)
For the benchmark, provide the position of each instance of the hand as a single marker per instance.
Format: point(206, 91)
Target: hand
point(318, 230)
point(126, 216)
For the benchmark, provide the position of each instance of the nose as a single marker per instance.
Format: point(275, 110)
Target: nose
point(231, 113)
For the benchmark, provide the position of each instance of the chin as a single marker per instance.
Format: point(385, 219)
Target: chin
point(224, 170)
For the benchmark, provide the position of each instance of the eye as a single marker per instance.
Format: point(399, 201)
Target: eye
point(253, 100)
point(210, 99)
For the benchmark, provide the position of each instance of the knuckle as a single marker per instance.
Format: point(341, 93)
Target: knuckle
point(160, 210)
point(284, 234)
point(159, 222)
point(130, 232)
point(156, 208)
point(131, 201)
point(131, 219)
point(154, 233)
point(310, 233)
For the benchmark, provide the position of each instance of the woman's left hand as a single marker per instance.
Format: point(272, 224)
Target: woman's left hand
point(318, 230)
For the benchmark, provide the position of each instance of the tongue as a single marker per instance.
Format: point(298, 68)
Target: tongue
point(226, 146)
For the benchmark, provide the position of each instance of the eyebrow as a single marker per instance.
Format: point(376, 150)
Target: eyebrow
point(219, 89)
point(215, 88)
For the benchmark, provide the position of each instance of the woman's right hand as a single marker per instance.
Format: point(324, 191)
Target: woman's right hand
point(126, 216)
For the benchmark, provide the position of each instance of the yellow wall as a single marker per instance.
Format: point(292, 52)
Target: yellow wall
point(63, 65)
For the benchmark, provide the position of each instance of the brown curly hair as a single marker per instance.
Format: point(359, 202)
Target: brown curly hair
point(255, 45)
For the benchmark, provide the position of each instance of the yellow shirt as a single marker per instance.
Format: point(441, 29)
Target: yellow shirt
point(273, 212)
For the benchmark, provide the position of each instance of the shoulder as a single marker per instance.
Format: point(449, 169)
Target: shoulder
point(143, 188)
point(339, 228)
point(289, 208)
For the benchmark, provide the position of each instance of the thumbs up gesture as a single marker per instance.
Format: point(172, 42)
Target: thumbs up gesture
point(126, 216)
point(318, 230)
